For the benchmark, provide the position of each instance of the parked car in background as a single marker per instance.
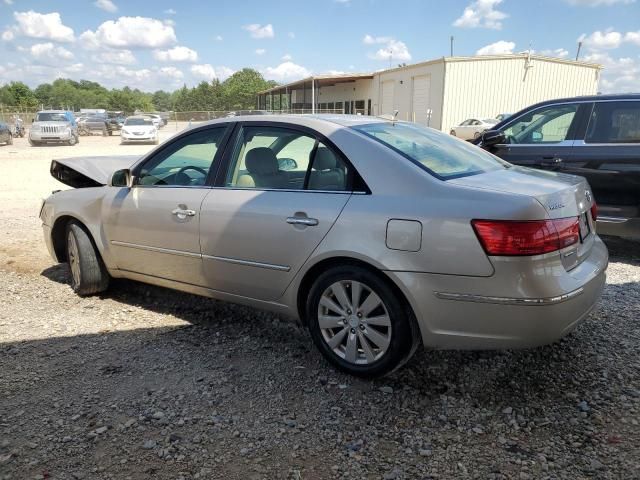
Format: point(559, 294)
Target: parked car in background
point(6, 137)
point(139, 129)
point(472, 128)
point(53, 126)
point(95, 123)
point(471, 252)
point(502, 116)
point(156, 119)
point(596, 137)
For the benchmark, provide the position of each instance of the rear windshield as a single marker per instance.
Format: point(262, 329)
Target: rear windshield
point(441, 155)
point(138, 121)
point(51, 117)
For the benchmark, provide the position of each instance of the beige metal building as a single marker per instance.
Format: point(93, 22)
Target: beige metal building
point(440, 93)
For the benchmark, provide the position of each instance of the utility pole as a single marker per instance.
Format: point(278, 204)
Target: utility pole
point(390, 56)
point(451, 50)
point(578, 52)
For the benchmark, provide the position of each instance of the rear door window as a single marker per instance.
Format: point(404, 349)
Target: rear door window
point(614, 122)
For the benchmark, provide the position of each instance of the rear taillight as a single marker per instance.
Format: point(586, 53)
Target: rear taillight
point(514, 238)
point(594, 211)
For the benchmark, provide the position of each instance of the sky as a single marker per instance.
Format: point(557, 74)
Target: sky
point(163, 44)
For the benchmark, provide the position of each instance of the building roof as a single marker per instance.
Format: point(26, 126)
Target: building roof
point(329, 80)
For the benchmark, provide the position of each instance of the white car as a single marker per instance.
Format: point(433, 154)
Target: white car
point(139, 130)
point(472, 128)
point(156, 119)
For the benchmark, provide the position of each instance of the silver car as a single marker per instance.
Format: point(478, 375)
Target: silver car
point(377, 235)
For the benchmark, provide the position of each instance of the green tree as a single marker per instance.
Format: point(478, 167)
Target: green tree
point(161, 101)
point(241, 88)
point(22, 95)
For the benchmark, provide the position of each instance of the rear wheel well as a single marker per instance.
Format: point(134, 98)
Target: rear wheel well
point(324, 265)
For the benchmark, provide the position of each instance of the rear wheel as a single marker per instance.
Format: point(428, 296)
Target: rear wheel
point(88, 273)
point(358, 322)
point(452, 132)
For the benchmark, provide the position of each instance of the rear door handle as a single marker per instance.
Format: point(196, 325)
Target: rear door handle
point(309, 222)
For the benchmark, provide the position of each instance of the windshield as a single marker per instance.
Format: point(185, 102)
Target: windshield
point(441, 155)
point(491, 121)
point(139, 121)
point(51, 117)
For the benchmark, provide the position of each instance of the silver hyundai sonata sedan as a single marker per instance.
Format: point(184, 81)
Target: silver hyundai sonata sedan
point(377, 235)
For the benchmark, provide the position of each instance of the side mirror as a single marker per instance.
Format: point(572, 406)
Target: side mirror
point(287, 164)
point(122, 178)
point(493, 137)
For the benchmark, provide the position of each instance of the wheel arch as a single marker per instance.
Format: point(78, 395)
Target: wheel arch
point(323, 265)
point(59, 232)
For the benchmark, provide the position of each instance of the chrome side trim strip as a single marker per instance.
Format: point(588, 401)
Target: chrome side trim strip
point(605, 219)
point(248, 263)
point(466, 297)
point(156, 249)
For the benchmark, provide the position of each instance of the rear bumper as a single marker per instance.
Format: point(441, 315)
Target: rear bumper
point(526, 303)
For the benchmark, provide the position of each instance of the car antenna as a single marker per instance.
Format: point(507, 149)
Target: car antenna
point(394, 119)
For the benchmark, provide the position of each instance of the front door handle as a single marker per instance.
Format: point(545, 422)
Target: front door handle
point(182, 213)
point(551, 161)
point(309, 222)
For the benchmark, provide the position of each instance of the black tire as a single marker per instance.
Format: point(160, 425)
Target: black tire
point(72, 140)
point(10, 140)
point(403, 341)
point(88, 272)
point(452, 132)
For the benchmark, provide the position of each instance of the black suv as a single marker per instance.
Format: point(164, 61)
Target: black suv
point(597, 137)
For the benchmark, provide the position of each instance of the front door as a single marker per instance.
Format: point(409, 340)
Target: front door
point(281, 194)
point(153, 227)
point(540, 138)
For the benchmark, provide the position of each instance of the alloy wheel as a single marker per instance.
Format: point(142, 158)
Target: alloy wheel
point(74, 260)
point(354, 322)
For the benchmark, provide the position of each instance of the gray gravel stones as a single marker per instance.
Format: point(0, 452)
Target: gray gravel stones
point(150, 383)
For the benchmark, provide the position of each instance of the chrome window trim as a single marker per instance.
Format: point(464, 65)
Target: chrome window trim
point(290, 190)
point(467, 297)
point(582, 143)
point(248, 263)
point(563, 143)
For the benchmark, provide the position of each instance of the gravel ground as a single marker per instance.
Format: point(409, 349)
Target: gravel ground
point(145, 383)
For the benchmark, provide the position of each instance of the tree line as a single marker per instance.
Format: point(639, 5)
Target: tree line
point(238, 92)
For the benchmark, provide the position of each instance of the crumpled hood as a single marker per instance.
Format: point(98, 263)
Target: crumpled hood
point(82, 172)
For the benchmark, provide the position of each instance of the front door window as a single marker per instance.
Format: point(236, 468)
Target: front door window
point(542, 126)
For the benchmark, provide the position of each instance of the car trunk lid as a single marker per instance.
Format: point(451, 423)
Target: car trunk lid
point(561, 195)
point(83, 172)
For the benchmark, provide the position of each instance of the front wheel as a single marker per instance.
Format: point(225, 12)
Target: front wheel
point(358, 322)
point(452, 132)
point(73, 140)
point(88, 273)
point(10, 140)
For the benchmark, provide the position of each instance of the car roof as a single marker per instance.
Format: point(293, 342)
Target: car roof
point(53, 111)
point(304, 119)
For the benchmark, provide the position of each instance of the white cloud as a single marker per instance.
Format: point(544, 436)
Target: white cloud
point(481, 13)
point(50, 54)
point(130, 32)
point(116, 57)
point(619, 74)
point(291, 35)
point(286, 72)
point(176, 54)
point(392, 50)
point(8, 2)
point(204, 72)
point(47, 26)
point(224, 72)
point(259, 31)
point(632, 37)
point(171, 72)
point(219, 38)
point(260, 51)
point(287, 58)
point(169, 11)
point(169, 22)
point(498, 48)
point(597, 3)
point(8, 35)
point(106, 5)
point(601, 40)
point(558, 53)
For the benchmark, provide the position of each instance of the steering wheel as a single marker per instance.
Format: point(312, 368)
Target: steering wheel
point(180, 173)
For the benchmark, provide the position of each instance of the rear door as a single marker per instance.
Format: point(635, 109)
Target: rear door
point(541, 138)
point(266, 215)
point(608, 155)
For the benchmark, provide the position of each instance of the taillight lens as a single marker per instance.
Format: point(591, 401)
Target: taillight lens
point(594, 211)
point(514, 238)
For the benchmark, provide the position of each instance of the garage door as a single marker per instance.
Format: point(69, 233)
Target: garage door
point(420, 100)
point(387, 97)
